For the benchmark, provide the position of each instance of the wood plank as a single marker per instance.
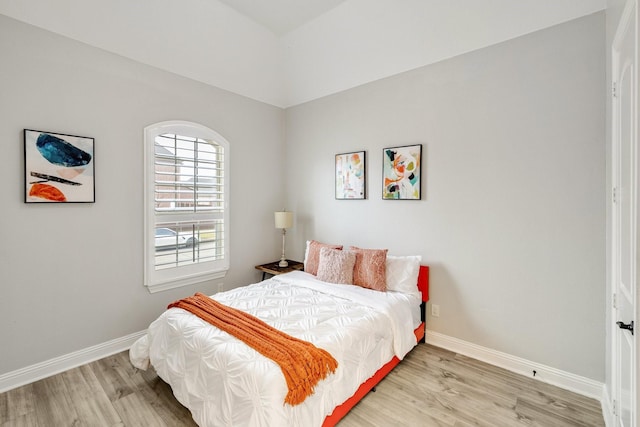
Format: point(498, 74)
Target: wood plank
point(113, 381)
point(431, 387)
point(54, 406)
point(91, 401)
point(4, 405)
point(529, 384)
point(27, 420)
point(160, 396)
point(136, 412)
point(495, 380)
point(417, 408)
point(17, 403)
point(470, 392)
point(543, 415)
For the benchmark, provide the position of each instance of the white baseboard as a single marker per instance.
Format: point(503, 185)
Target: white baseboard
point(566, 380)
point(63, 363)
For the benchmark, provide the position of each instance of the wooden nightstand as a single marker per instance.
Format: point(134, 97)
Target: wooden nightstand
point(273, 268)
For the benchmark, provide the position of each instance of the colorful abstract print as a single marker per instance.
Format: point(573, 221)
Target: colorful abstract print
point(401, 171)
point(58, 168)
point(350, 175)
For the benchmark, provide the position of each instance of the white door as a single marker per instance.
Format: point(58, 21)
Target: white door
point(625, 219)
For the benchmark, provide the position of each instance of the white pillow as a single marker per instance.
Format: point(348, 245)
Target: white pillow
point(402, 273)
point(306, 254)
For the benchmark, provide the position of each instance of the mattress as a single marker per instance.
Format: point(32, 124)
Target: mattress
point(224, 382)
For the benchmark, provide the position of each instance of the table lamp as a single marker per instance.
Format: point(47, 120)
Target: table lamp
point(284, 220)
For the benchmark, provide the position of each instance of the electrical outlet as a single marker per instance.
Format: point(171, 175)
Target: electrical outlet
point(220, 287)
point(435, 310)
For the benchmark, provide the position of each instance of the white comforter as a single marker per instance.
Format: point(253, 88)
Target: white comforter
point(224, 382)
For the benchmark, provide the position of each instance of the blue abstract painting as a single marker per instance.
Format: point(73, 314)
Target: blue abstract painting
point(58, 168)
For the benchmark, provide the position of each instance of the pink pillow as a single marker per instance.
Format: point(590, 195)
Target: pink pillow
point(370, 270)
point(312, 255)
point(336, 266)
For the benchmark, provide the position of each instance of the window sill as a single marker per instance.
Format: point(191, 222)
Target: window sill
point(186, 281)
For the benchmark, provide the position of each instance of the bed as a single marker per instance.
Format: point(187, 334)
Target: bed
point(224, 382)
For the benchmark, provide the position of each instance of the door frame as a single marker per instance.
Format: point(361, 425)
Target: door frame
point(630, 12)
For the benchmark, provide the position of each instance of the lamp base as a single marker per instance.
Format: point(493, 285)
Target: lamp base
point(283, 260)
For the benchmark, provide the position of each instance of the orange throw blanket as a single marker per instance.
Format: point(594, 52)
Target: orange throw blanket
point(302, 363)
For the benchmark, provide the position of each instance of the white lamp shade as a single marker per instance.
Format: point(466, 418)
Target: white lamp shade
point(284, 219)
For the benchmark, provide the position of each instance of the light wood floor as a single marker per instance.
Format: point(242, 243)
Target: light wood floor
point(431, 387)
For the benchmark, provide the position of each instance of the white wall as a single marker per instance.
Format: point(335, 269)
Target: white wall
point(71, 274)
point(512, 219)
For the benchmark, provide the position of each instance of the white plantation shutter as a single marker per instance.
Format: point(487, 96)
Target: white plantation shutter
point(186, 204)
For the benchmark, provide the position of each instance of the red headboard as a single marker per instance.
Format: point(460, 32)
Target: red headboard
point(423, 282)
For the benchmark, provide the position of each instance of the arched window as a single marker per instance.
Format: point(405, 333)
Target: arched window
point(186, 205)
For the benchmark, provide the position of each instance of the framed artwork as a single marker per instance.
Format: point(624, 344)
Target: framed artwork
point(58, 168)
point(351, 176)
point(401, 172)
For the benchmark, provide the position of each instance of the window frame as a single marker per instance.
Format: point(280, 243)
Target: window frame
point(174, 277)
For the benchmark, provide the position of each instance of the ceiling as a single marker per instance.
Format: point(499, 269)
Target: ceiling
point(282, 16)
point(288, 52)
